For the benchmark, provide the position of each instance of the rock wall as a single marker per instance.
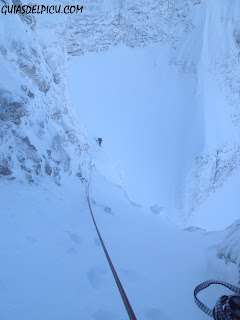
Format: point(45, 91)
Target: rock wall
point(39, 133)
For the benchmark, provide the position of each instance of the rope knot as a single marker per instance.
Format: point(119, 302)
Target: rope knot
point(227, 307)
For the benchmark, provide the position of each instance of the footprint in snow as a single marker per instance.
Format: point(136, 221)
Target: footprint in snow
point(130, 274)
point(97, 242)
point(74, 237)
point(154, 314)
point(105, 315)
point(96, 277)
point(31, 240)
point(71, 251)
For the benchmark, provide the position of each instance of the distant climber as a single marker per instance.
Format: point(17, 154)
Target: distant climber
point(99, 141)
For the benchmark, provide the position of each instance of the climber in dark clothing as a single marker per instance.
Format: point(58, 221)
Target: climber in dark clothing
point(99, 140)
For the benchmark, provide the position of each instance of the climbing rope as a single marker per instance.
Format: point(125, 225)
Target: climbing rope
point(227, 307)
point(117, 280)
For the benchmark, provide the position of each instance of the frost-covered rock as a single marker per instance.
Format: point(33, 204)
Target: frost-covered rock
point(209, 173)
point(134, 23)
point(38, 129)
point(216, 57)
point(229, 249)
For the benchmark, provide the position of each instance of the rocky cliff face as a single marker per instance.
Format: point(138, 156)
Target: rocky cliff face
point(39, 132)
point(134, 23)
point(216, 56)
point(204, 41)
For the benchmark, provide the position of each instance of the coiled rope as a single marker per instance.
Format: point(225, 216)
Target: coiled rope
point(227, 307)
point(117, 280)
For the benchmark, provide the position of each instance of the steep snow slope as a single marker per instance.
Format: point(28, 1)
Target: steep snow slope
point(190, 118)
point(203, 41)
point(38, 97)
point(142, 108)
point(53, 267)
point(36, 113)
point(51, 262)
point(137, 90)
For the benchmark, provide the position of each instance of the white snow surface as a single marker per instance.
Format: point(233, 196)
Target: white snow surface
point(53, 266)
point(159, 82)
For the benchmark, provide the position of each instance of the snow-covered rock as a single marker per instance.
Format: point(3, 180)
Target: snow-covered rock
point(229, 249)
point(41, 139)
point(134, 23)
point(39, 132)
point(216, 57)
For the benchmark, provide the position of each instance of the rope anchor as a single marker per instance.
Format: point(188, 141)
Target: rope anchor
point(227, 307)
